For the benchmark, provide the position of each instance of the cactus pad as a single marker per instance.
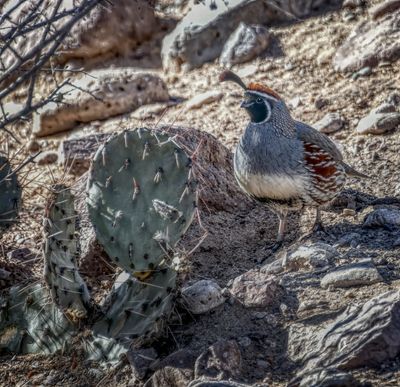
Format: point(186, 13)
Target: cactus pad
point(134, 308)
point(10, 194)
point(67, 288)
point(31, 323)
point(141, 198)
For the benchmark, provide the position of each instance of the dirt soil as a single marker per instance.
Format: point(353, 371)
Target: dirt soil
point(239, 240)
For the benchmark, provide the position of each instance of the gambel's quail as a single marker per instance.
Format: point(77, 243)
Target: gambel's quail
point(284, 163)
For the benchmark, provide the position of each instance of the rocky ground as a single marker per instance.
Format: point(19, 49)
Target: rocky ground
point(325, 308)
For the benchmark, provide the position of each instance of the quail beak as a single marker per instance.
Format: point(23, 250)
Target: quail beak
point(245, 104)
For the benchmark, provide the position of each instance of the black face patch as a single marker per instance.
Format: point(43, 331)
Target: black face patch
point(257, 109)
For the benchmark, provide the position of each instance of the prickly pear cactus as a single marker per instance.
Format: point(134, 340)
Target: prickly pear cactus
point(134, 308)
point(31, 323)
point(141, 198)
point(10, 194)
point(67, 288)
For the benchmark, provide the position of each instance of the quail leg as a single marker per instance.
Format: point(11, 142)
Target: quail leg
point(279, 240)
point(318, 226)
point(281, 233)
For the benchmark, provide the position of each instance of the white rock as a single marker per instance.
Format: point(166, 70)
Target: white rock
point(355, 274)
point(331, 122)
point(202, 296)
point(308, 257)
point(378, 123)
point(204, 99)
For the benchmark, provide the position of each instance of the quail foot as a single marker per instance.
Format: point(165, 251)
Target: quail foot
point(284, 163)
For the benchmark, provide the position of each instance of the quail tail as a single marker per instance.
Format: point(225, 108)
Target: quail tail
point(352, 172)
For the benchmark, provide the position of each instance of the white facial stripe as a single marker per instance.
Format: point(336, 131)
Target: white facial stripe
point(263, 95)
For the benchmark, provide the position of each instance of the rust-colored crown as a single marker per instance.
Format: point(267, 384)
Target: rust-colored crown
point(228, 75)
point(263, 89)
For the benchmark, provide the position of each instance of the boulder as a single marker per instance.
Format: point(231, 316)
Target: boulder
point(188, 45)
point(98, 95)
point(245, 43)
point(364, 335)
point(354, 274)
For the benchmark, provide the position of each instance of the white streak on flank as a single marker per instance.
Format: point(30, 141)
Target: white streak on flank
point(272, 186)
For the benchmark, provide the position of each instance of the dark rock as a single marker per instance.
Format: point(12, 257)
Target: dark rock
point(369, 43)
point(383, 217)
point(220, 361)
point(177, 370)
point(363, 335)
point(328, 377)
point(140, 361)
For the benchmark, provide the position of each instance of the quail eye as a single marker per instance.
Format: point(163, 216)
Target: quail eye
point(259, 100)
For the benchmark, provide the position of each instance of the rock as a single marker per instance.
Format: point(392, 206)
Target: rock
point(355, 274)
point(188, 45)
point(352, 4)
point(393, 99)
point(214, 383)
point(274, 267)
point(369, 43)
point(140, 361)
point(352, 239)
point(106, 30)
point(102, 94)
point(20, 254)
point(204, 99)
point(328, 377)
point(202, 296)
point(362, 336)
point(245, 43)
point(47, 157)
point(255, 289)
point(385, 108)
point(177, 370)
point(364, 72)
point(320, 102)
point(317, 255)
point(383, 217)
point(222, 360)
point(378, 123)
point(294, 102)
point(75, 154)
point(331, 122)
point(384, 8)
